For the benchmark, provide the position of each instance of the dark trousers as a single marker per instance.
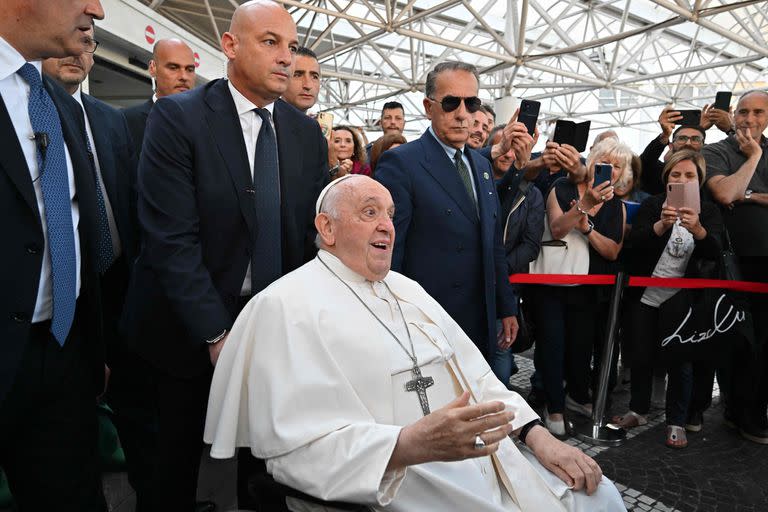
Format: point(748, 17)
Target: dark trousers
point(565, 334)
point(689, 385)
point(748, 393)
point(48, 429)
point(160, 419)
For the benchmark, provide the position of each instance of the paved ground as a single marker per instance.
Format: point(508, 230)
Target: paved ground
point(719, 471)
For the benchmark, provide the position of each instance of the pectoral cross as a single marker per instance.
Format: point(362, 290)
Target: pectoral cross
point(420, 384)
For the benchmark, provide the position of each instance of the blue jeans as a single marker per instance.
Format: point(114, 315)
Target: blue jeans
point(503, 365)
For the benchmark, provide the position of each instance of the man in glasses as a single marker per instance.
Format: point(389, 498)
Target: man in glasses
point(447, 212)
point(685, 137)
point(51, 354)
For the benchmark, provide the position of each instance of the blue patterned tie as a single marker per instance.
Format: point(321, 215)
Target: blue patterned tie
point(52, 165)
point(104, 249)
point(266, 263)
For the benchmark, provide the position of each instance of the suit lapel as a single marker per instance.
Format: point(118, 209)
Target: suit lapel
point(104, 150)
point(443, 170)
point(228, 136)
point(290, 159)
point(481, 186)
point(12, 159)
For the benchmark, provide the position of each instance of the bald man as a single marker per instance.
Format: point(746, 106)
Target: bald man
point(173, 70)
point(225, 207)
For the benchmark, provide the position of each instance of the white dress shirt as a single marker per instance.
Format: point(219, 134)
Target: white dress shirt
point(451, 152)
point(250, 122)
point(116, 247)
point(14, 91)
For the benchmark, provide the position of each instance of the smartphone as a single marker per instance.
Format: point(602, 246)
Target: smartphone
point(723, 100)
point(684, 195)
point(325, 120)
point(529, 114)
point(690, 118)
point(602, 174)
point(569, 132)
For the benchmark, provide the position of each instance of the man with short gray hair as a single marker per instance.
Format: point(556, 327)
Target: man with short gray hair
point(447, 212)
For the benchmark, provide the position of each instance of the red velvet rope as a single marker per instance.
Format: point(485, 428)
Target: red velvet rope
point(660, 282)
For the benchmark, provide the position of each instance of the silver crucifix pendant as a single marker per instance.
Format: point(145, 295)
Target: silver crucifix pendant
point(420, 384)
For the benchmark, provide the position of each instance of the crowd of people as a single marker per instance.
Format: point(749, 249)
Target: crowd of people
point(337, 311)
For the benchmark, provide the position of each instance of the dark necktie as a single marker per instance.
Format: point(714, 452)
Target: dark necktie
point(54, 182)
point(266, 262)
point(104, 250)
point(464, 174)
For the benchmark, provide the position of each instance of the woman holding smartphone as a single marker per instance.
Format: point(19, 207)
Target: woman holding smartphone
point(349, 148)
point(668, 241)
point(566, 317)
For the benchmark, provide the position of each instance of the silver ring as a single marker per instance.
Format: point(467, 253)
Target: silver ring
point(479, 443)
point(602, 197)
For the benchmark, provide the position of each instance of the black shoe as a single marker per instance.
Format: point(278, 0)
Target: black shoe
point(754, 433)
point(695, 419)
point(205, 506)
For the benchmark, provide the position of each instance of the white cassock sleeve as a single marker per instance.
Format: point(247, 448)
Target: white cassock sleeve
point(279, 390)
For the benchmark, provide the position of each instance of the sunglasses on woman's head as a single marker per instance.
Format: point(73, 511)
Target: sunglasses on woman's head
point(451, 103)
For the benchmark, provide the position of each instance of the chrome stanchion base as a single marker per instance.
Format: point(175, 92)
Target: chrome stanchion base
point(603, 435)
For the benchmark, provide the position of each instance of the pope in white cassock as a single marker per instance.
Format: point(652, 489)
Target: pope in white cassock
point(356, 386)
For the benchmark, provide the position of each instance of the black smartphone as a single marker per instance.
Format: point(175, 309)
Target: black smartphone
point(529, 114)
point(602, 174)
point(723, 100)
point(569, 132)
point(690, 118)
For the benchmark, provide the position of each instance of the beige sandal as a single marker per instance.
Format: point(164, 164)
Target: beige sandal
point(630, 420)
point(676, 437)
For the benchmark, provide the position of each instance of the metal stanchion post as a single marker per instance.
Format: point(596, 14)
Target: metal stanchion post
point(596, 430)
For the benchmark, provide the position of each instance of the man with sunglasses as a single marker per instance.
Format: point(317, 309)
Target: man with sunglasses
point(447, 212)
point(685, 137)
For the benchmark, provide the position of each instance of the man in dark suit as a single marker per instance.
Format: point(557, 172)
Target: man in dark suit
point(172, 69)
point(228, 177)
point(51, 355)
point(447, 218)
point(114, 159)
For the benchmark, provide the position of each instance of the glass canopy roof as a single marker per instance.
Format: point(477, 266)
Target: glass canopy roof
point(614, 62)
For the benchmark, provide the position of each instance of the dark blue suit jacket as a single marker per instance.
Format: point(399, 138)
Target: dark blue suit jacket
point(198, 220)
point(22, 235)
point(116, 152)
point(442, 242)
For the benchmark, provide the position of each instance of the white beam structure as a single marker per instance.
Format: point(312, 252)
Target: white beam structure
point(616, 62)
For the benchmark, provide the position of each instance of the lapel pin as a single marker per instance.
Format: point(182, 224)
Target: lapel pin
point(485, 175)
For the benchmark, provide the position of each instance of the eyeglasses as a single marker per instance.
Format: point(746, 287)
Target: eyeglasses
point(91, 45)
point(697, 139)
point(451, 103)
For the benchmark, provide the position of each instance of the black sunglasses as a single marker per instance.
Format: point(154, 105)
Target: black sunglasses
point(451, 103)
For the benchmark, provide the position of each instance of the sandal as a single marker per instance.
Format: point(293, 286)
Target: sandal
point(630, 420)
point(676, 437)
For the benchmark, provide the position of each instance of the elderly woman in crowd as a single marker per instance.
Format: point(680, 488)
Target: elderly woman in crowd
point(382, 144)
point(584, 233)
point(348, 145)
point(667, 242)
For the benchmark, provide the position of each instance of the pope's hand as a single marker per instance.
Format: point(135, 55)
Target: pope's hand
point(570, 464)
point(449, 433)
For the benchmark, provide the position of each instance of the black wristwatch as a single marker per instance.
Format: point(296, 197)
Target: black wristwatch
point(591, 227)
point(527, 428)
point(333, 171)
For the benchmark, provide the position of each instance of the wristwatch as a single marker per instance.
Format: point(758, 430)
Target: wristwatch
point(591, 227)
point(218, 338)
point(748, 194)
